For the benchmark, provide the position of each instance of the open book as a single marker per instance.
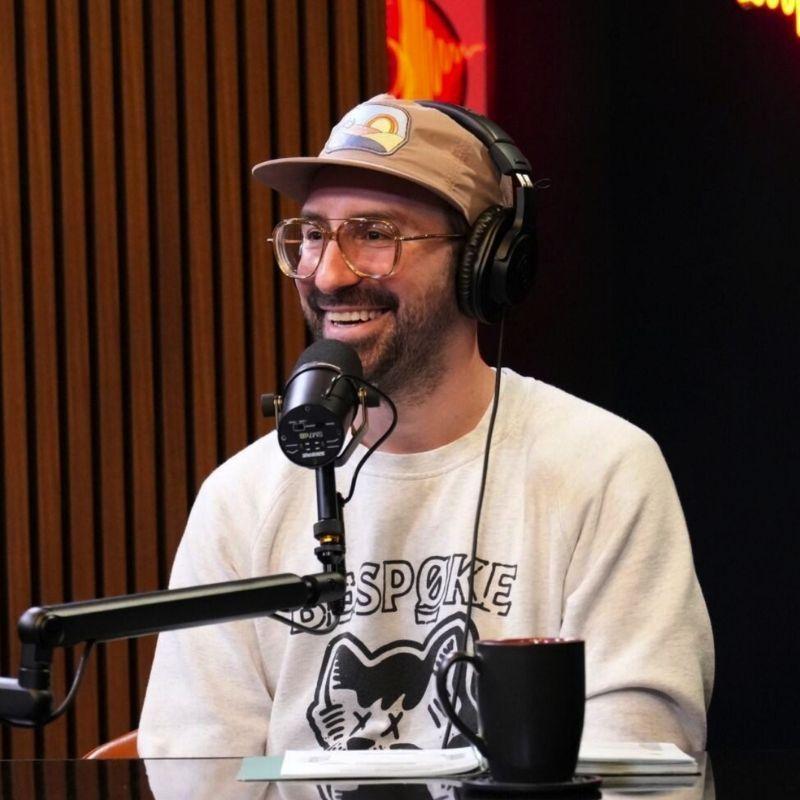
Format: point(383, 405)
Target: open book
point(624, 758)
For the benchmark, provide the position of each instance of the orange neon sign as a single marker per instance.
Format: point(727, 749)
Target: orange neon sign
point(788, 7)
point(426, 56)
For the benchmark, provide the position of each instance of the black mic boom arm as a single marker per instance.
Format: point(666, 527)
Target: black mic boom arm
point(128, 616)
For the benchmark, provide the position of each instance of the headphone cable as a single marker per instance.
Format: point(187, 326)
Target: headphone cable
point(474, 554)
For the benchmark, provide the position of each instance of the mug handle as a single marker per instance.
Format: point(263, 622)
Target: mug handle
point(442, 668)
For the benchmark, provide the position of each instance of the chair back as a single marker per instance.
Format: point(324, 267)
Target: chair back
point(122, 747)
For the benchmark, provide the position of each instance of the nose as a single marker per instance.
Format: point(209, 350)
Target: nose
point(333, 273)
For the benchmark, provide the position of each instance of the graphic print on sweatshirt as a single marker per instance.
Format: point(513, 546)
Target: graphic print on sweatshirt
point(383, 699)
point(432, 589)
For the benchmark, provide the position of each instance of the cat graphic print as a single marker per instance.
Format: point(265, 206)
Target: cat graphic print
point(375, 700)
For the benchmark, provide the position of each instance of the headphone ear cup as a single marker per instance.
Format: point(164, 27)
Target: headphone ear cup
point(513, 275)
point(473, 278)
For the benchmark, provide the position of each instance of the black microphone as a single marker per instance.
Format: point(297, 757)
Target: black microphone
point(319, 403)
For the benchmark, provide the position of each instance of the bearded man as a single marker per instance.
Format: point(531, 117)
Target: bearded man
point(581, 535)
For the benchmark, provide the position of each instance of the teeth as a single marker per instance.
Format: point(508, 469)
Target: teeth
point(362, 315)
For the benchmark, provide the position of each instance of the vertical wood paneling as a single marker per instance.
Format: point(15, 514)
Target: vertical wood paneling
point(287, 104)
point(23, 783)
point(140, 312)
point(16, 562)
point(263, 345)
point(316, 62)
point(142, 542)
point(45, 334)
point(78, 485)
point(107, 398)
point(346, 50)
point(229, 266)
point(166, 222)
point(198, 255)
point(86, 783)
point(373, 48)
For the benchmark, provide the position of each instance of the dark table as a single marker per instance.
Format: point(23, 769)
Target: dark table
point(729, 775)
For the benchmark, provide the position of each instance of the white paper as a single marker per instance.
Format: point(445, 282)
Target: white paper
point(634, 758)
point(379, 763)
point(633, 751)
point(618, 758)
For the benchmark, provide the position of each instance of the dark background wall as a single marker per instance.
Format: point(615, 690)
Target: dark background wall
point(668, 292)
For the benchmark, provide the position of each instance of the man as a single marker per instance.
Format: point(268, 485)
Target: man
point(582, 534)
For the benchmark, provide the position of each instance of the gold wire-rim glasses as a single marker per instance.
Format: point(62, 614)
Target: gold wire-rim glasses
point(329, 235)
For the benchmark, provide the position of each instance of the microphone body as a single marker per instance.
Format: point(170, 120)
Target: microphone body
point(319, 404)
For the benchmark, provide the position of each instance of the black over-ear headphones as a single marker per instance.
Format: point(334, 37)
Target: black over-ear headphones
point(499, 258)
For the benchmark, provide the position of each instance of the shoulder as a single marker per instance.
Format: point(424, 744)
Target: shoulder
point(234, 500)
point(573, 440)
point(555, 418)
point(259, 469)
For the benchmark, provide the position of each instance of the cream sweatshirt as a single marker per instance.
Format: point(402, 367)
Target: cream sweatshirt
point(582, 535)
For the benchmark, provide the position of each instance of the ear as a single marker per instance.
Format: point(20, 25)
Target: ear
point(344, 657)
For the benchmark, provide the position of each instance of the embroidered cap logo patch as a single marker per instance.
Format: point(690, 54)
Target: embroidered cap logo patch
point(373, 127)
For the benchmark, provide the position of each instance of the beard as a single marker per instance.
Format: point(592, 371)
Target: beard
point(407, 358)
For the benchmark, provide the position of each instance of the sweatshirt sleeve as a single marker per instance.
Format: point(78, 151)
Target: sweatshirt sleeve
point(207, 693)
point(632, 594)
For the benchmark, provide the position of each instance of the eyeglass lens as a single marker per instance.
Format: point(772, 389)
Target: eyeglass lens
point(368, 245)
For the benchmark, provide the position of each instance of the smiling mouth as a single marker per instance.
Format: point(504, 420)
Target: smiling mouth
point(355, 316)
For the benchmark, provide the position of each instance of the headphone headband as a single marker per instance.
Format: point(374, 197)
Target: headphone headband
point(499, 259)
point(507, 157)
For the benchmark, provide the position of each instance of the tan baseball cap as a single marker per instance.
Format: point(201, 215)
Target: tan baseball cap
point(405, 139)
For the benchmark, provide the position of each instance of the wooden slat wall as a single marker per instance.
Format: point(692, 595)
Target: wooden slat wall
point(140, 316)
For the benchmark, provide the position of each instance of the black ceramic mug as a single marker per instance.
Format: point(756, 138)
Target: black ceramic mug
point(531, 695)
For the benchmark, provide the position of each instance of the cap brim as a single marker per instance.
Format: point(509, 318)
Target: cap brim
point(293, 176)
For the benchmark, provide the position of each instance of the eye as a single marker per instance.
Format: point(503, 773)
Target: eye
point(394, 720)
point(313, 235)
point(376, 234)
point(361, 721)
point(371, 231)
